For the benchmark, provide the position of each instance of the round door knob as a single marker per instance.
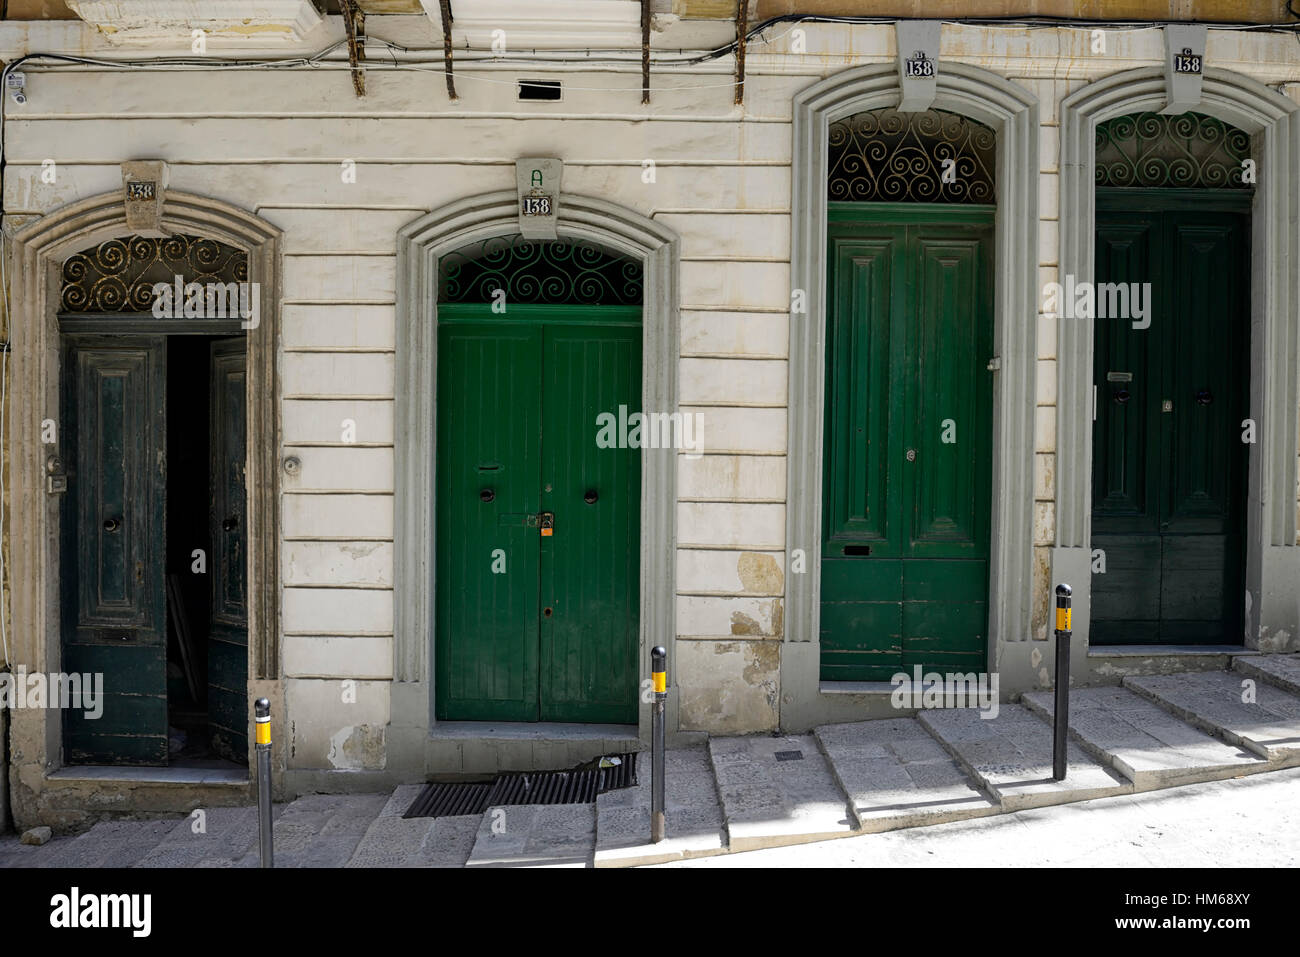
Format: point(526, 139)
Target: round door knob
point(112, 524)
point(230, 524)
point(1121, 396)
point(1204, 397)
point(486, 495)
point(911, 455)
point(590, 496)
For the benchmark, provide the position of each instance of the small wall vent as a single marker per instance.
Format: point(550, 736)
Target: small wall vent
point(539, 89)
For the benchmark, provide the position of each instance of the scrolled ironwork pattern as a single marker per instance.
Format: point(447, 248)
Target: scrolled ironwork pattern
point(1152, 150)
point(539, 271)
point(119, 275)
point(886, 156)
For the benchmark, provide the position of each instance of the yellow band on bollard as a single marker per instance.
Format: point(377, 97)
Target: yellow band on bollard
point(661, 681)
point(263, 732)
point(1063, 619)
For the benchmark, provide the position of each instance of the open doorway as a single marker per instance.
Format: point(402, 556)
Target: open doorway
point(154, 530)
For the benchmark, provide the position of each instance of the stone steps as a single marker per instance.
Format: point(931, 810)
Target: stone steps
point(745, 793)
point(1143, 742)
point(1268, 726)
point(772, 798)
point(1011, 757)
point(897, 775)
point(1281, 671)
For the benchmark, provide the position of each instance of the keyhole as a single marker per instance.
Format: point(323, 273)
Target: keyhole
point(547, 612)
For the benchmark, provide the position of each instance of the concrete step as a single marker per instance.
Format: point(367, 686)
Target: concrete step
point(1281, 671)
point(1269, 726)
point(770, 801)
point(897, 775)
point(107, 844)
point(693, 825)
point(394, 841)
point(227, 837)
point(1142, 741)
point(535, 835)
point(321, 830)
point(1011, 757)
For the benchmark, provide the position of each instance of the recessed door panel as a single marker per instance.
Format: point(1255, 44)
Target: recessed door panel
point(112, 533)
point(1168, 462)
point(228, 714)
point(907, 442)
point(538, 529)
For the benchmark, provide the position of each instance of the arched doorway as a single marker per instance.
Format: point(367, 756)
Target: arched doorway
point(538, 508)
point(907, 448)
point(153, 513)
point(1270, 617)
point(1172, 374)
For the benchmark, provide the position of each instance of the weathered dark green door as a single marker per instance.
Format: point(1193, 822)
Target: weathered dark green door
point(908, 421)
point(532, 626)
point(228, 715)
point(113, 543)
point(1169, 460)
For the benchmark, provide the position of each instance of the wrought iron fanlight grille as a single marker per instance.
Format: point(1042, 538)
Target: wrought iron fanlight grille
point(556, 272)
point(1190, 149)
point(119, 275)
point(929, 157)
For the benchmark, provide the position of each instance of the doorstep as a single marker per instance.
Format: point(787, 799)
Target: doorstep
point(233, 777)
point(486, 747)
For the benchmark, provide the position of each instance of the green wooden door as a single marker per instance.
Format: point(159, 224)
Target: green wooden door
point(113, 542)
point(1169, 463)
point(228, 715)
point(531, 626)
point(908, 440)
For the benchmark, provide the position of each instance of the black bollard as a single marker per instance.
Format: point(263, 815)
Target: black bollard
point(262, 724)
point(658, 668)
point(1061, 703)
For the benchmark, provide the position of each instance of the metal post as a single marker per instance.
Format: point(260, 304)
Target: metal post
point(658, 667)
point(262, 713)
point(1061, 704)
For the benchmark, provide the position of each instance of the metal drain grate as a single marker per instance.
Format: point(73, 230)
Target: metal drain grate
point(578, 785)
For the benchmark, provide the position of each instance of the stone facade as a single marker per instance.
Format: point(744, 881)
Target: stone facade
point(278, 144)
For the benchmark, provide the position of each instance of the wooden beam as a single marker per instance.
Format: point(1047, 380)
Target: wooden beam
point(445, 7)
point(742, 27)
point(645, 51)
point(354, 21)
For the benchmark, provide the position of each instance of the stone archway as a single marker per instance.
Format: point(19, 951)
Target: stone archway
point(1013, 113)
point(1272, 556)
point(35, 257)
point(421, 244)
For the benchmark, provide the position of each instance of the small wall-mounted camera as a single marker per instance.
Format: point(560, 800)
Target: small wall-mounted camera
point(15, 83)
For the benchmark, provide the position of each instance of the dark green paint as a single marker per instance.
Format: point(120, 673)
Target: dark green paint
point(909, 335)
point(228, 716)
point(518, 398)
point(112, 545)
point(1169, 487)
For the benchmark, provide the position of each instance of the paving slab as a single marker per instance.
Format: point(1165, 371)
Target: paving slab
point(1212, 700)
point(1144, 742)
point(693, 825)
point(1282, 671)
point(1011, 757)
point(226, 836)
point(897, 775)
point(394, 841)
point(320, 830)
point(535, 835)
point(107, 844)
point(778, 790)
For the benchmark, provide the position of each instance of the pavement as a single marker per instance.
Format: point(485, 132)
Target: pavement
point(949, 785)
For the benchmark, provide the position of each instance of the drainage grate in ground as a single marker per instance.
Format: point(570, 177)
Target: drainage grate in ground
point(578, 785)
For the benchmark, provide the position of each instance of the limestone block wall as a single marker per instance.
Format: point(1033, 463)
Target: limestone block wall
point(284, 144)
